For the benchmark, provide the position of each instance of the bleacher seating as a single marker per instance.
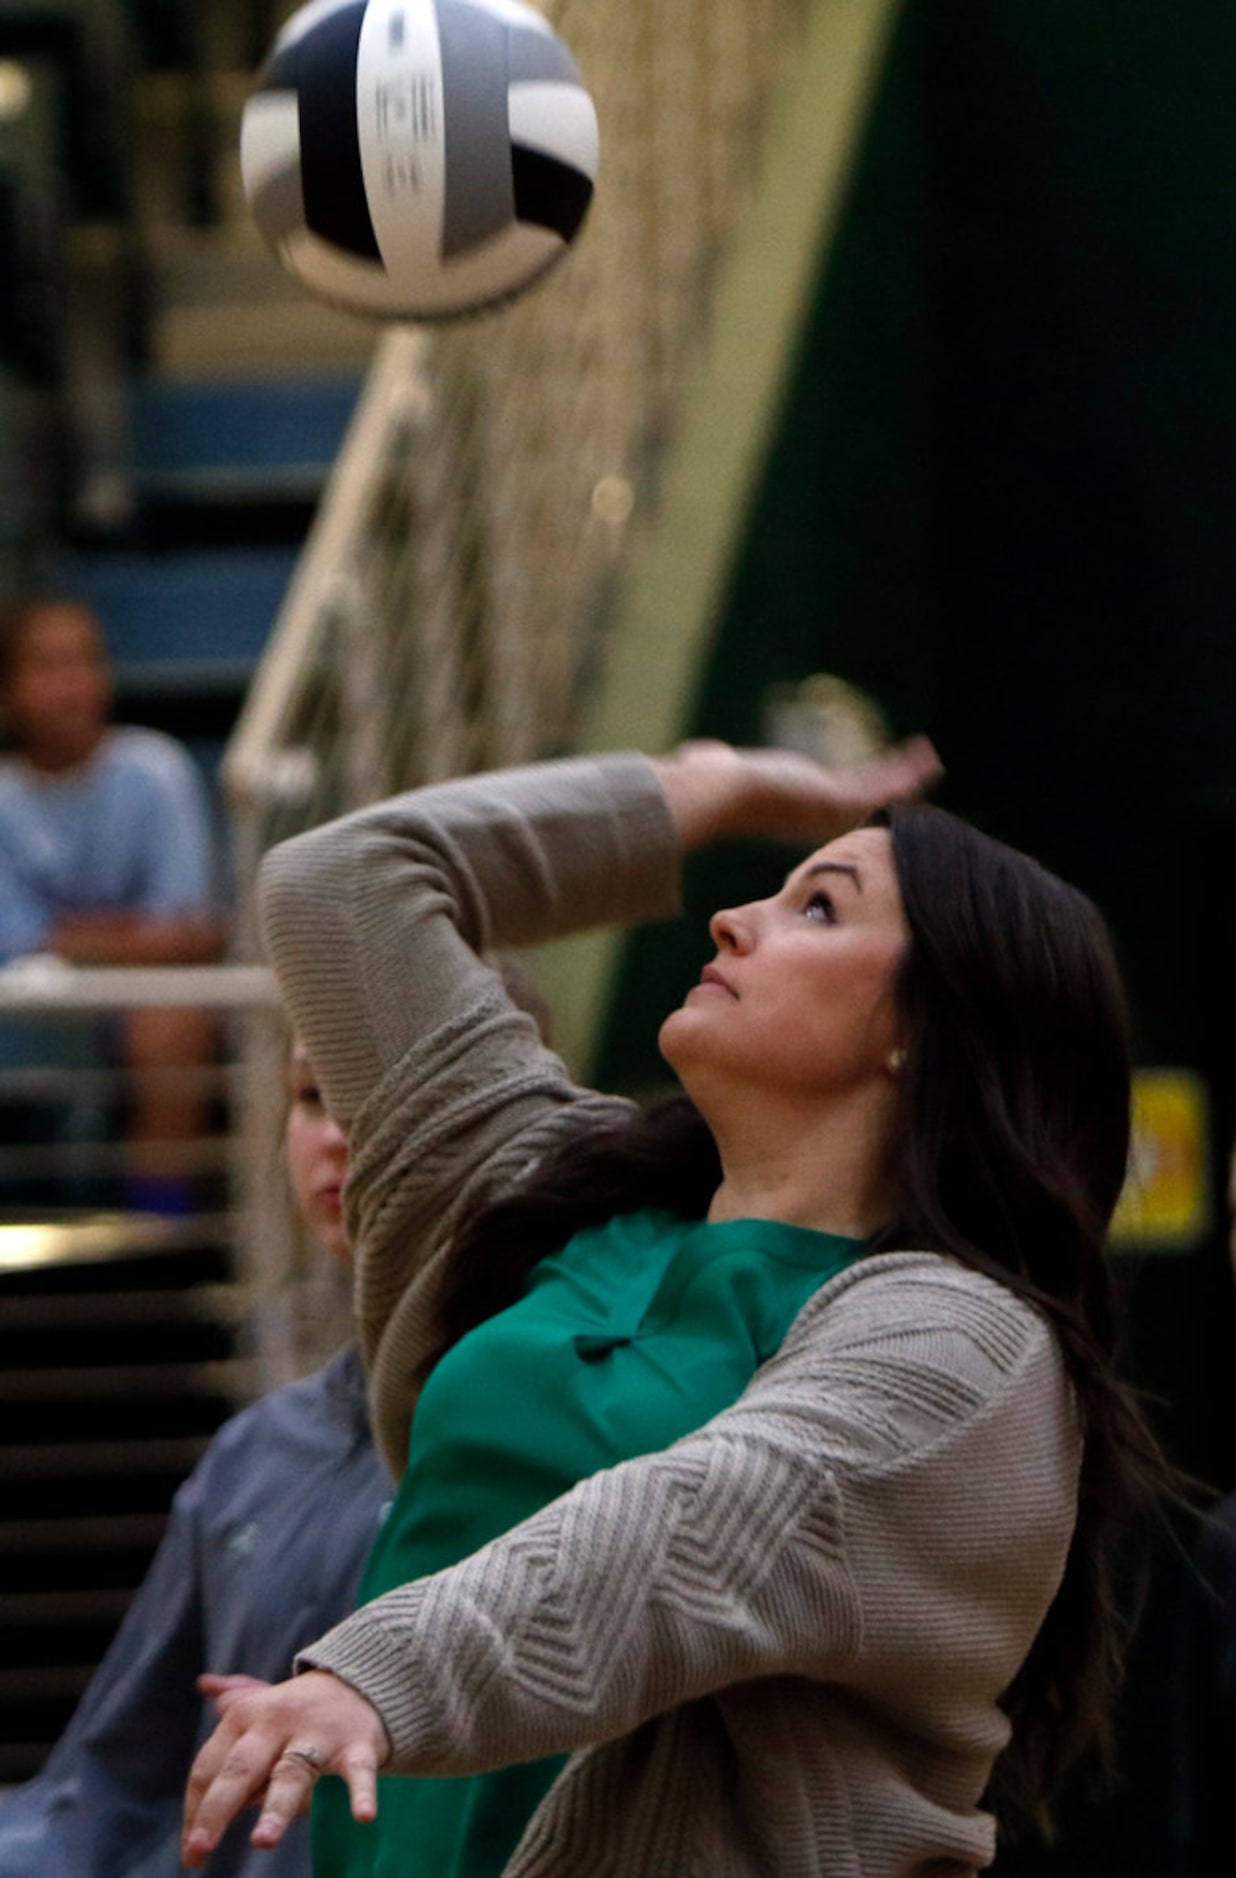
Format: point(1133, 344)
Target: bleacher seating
point(116, 1366)
point(113, 1375)
point(214, 442)
point(180, 623)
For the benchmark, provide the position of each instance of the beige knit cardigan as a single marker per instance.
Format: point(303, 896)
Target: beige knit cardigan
point(778, 1647)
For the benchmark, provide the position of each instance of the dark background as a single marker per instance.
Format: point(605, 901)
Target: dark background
point(1002, 500)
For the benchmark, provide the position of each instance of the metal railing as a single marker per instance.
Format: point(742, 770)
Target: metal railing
point(128, 1334)
point(450, 613)
point(459, 594)
point(68, 1156)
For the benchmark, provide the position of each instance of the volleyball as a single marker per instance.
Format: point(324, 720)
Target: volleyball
point(419, 159)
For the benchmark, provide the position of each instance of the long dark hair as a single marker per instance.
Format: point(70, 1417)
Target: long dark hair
point(1008, 1152)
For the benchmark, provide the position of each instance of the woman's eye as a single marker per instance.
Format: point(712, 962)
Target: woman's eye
point(821, 907)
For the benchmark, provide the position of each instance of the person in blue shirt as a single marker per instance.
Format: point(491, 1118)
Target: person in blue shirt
point(264, 1549)
point(105, 850)
point(105, 844)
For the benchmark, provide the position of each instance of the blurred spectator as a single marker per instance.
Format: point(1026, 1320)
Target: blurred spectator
point(105, 853)
point(104, 832)
point(264, 1548)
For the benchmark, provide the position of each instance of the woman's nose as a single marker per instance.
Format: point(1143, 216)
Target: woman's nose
point(730, 929)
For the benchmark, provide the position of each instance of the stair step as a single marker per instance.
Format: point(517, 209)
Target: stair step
point(60, 1683)
point(205, 1155)
point(217, 267)
point(233, 1377)
point(37, 1609)
point(19, 1760)
point(201, 1304)
point(56, 1460)
point(304, 334)
point(84, 1348)
point(127, 1533)
point(222, 440)
point(225, 306)
point(199, 615)
point(61, 1254)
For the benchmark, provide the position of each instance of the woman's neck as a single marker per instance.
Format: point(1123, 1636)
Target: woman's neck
point(824, 1171)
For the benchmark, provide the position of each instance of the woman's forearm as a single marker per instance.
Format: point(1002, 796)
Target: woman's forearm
point(715, 791)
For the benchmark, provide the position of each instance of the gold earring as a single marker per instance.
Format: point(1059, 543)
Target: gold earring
point(896, 1061)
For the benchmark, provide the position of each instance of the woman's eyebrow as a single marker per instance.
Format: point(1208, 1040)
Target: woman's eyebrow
point(834, 867)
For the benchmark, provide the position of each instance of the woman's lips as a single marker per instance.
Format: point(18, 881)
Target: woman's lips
point(712, 980)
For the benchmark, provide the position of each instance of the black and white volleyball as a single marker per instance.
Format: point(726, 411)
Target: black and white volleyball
point(419, 159)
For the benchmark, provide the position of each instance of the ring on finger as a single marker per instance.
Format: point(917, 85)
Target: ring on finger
point(307, 1756)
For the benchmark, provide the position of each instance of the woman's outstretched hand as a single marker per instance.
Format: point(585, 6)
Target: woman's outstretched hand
point(272, 1742)
point(717, 792)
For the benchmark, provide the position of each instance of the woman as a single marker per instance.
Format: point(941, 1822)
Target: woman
point(264, 1547)
point(747, 1511)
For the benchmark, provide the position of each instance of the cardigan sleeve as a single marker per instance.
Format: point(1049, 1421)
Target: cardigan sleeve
point(375, 924)
point(896, 1489)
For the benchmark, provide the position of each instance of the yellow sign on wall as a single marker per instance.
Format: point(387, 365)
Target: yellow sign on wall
point(1166, 1198)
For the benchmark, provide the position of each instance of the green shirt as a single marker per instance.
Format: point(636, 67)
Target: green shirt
point(634, 1334)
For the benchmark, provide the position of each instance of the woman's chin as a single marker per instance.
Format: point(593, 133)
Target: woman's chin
point(666, 1036)
point(678, 1039)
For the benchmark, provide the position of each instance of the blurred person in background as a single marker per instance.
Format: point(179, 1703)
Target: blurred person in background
point(265, 1545)
point(105, 857)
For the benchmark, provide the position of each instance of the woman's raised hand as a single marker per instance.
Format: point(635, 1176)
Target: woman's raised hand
point(272, 1742)
point(717, 792)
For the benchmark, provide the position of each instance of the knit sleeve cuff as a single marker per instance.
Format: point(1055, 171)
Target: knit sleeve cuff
point(375, 1664)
